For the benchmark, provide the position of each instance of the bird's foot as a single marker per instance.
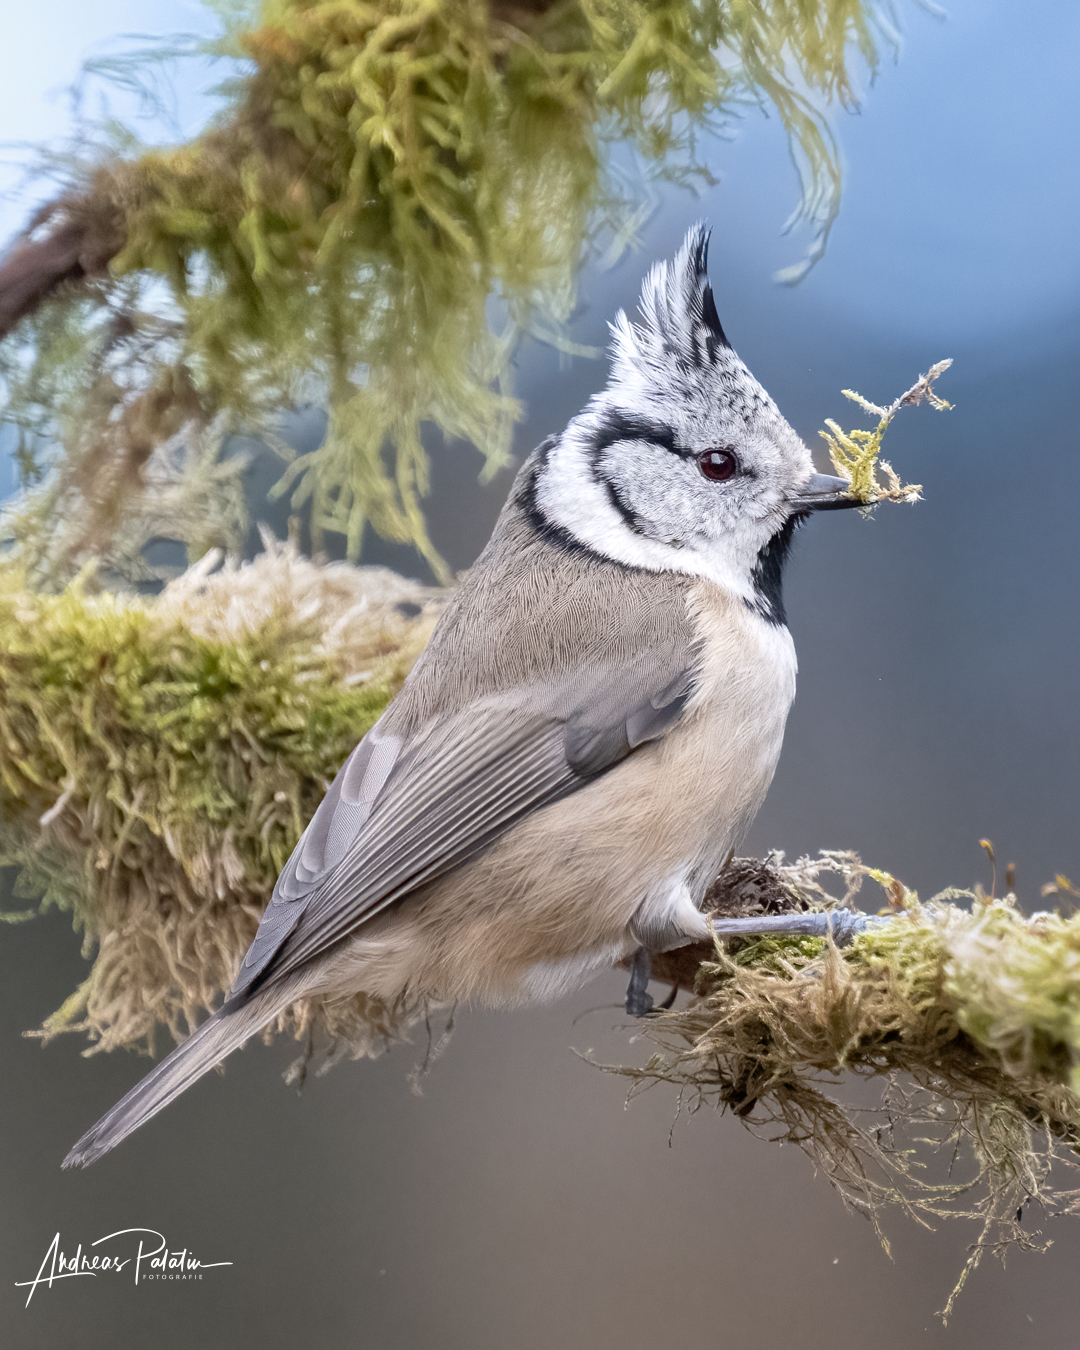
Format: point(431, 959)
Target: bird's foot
point(638, 999)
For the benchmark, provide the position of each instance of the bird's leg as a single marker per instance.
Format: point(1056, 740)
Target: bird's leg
point(841, 925)
point(638, 999)
point(670, 1000)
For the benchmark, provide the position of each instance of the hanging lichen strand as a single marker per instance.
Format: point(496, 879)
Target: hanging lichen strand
point(336, 234)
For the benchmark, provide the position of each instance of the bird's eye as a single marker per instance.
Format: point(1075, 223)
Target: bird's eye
point(719, 465)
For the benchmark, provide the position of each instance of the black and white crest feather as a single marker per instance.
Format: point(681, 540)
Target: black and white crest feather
point(678, 325)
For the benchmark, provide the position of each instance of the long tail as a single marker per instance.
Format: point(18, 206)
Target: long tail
point(219, 1036)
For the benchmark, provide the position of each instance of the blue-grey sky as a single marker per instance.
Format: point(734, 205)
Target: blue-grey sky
point(962, 190)
point(44, 47)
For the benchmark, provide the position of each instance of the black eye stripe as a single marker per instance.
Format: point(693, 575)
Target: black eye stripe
point(617, 426)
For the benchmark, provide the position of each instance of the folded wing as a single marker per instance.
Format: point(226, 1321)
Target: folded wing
point(405, 810)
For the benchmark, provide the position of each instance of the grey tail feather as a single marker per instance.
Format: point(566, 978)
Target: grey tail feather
point(218, 1036)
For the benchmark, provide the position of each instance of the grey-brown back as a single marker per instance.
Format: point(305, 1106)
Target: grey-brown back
point(539, 609)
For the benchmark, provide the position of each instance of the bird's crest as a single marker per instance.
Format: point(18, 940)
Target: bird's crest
point(678, 330)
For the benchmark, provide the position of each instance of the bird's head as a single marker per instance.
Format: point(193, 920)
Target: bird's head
point(683, 462)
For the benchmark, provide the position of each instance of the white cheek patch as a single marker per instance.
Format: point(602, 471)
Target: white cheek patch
point(568, 495)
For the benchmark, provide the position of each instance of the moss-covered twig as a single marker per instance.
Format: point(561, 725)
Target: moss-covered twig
point(855, 454)
point(336, 233)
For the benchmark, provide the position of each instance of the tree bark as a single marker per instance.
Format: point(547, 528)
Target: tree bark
point(69, 242)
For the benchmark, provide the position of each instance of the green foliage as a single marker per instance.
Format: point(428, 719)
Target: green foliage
point(379, 172)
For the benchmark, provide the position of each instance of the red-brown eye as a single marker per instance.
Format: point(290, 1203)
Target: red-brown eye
point(718, 465)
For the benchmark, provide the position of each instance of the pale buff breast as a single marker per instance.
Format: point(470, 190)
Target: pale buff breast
point(558, 894)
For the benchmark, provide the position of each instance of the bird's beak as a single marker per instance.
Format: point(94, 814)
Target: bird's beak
point(824, 492)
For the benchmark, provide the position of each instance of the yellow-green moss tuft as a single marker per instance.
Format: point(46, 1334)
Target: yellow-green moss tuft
point(969, 1017)
point(159, 760)
point(855, 454)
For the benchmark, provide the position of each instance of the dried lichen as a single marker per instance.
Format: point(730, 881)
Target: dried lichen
point(159, 759)
point(971, 1017)
point(855, 454)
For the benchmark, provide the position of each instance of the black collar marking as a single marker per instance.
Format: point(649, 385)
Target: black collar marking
point(548, 530)
point(768, 574)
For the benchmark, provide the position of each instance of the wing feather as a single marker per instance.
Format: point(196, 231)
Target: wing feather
point(404, 812)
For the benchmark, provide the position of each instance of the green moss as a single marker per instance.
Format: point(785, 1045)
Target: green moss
point(1016, 986)
point(781, 955)
point(204, 736)
point(160, 759)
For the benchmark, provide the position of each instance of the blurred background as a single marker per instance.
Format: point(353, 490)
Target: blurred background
point(516, 1203)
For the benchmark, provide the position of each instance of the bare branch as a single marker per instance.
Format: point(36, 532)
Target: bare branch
point(68, 242)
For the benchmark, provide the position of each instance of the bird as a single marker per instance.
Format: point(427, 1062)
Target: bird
point(590, 730)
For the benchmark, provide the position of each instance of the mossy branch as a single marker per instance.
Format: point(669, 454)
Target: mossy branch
point(378, 172)
point(969, 1014)
point(159, 760)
